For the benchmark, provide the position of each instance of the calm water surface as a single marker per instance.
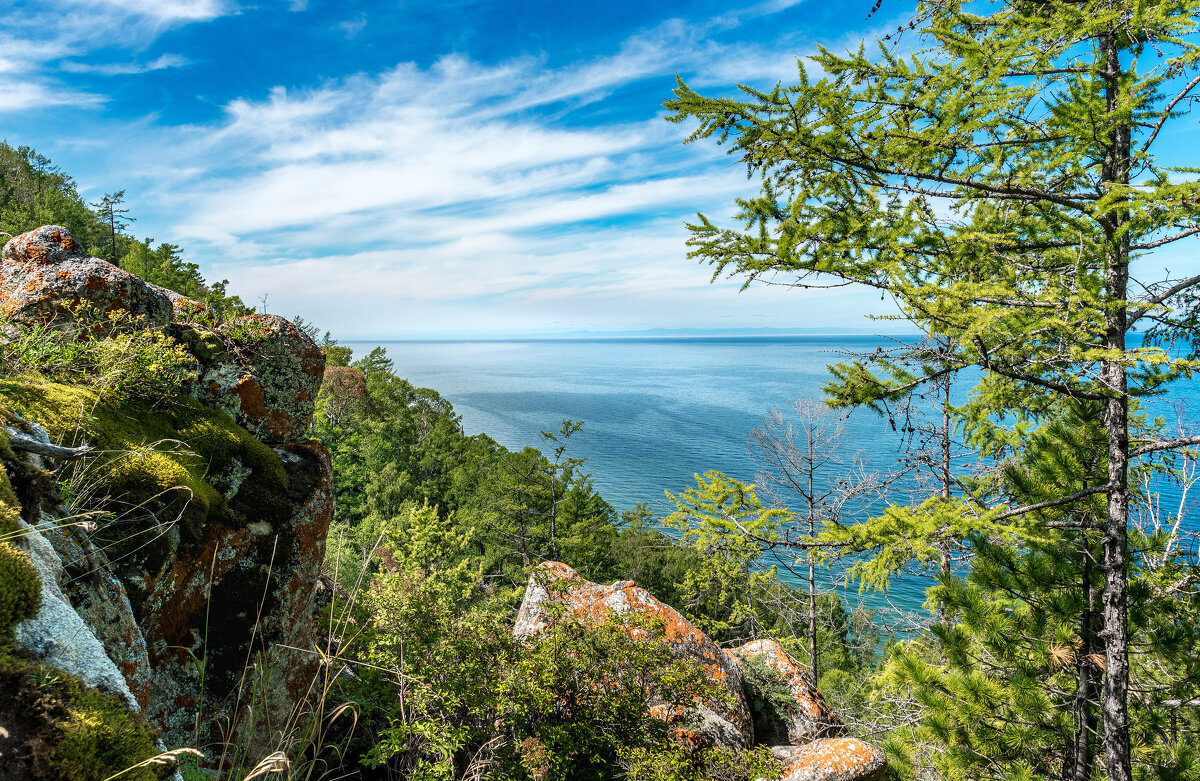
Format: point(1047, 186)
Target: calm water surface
point(655, 411)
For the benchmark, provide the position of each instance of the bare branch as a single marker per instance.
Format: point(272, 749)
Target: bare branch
point(28, 444)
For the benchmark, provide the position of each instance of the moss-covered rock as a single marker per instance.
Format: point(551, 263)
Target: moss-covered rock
point(55, 728)
point(20, 587)
point(216, 538)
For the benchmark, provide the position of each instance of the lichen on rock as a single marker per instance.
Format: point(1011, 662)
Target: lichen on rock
point(724, 724)
point(836, 759)
point(808, 716)
point(46, 274)
point(267, 375)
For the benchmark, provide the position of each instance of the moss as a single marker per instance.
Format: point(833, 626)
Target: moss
point(69, 731)
point(157, 459)
point(20, 586)
point(100, 737)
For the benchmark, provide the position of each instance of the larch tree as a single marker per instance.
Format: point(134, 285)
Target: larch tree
point(802, 463)
point(1003, 184)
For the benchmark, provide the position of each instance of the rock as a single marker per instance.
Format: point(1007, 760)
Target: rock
point(85, 625)
point(810, 717)
point(58, 635)
point(236, 592)
point(835, 759)
point(267, 376)
point(725, 725)
point(45, 272)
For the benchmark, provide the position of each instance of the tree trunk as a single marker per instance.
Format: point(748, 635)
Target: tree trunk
point(1114, 700)
point(812, 574)
point(1077, 765)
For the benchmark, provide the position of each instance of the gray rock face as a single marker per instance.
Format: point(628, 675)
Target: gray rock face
point(45, 274)
point(59, 634)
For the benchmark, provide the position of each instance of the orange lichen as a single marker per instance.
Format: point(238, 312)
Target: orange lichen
point(250, 394)
point(593, 603)
point(818, 719)
point(836, 759)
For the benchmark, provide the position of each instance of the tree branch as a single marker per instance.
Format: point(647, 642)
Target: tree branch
point(1096, 489)
point(1170, 444)
point(25, 443)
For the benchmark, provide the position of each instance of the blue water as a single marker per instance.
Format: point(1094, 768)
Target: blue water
point(655, 411)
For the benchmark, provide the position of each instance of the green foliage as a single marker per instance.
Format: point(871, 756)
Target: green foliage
point(771, 702)
point(1011, 679)
point(572, 702)
point(34, 192)
point(73, 732)
point(723, 520)
point(164, 266)
point(689, 764)
point(115, 353)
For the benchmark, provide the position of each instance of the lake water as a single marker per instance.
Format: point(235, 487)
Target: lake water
point(655, 410)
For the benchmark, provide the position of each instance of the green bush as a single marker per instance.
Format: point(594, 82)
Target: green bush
point(115, 353)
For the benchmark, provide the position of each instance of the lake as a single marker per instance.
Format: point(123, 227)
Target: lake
point(655, 410)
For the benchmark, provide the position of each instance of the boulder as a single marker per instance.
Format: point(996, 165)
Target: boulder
point(807, 717)
point(262, 370)
point(832, 759)
point(239, 594)
point(724, 725)
point(58, 635)
point(45, 273)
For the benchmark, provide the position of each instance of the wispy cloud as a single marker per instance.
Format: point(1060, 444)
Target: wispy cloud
point(352, 27)
point(162, 11)
point(455, 194)
point(48, 40)
point(125, 68)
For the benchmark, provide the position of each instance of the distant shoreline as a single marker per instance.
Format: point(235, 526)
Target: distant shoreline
point(650, 337)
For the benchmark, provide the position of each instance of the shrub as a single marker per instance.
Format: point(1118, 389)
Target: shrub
point(115, 352)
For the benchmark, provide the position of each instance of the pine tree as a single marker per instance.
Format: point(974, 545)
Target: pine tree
point(1002, 187)
point(109, 212)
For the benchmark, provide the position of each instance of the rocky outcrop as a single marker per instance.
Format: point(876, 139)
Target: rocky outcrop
point(46, 274)
point(724, 724)
point(832, 759)
point(816, 747)
point(266, 374)
point(807, 717)
point(197, 590)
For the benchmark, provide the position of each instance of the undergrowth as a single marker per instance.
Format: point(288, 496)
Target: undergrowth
point(118, 354)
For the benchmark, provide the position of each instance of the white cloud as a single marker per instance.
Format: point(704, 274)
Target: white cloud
point(161, 11)
point(18, 95)
point(126, 68)
point(41, 42)
point(459, 195)
point(352, 27)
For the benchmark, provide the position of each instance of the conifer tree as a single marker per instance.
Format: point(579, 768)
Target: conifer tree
point(1003, 187)
point(111, 214)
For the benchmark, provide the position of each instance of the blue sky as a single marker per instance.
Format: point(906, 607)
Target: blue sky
point(395, 169)
point(413, 169)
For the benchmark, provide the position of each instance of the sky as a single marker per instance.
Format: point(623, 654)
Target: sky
point(414, 169)
point(425, 169)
